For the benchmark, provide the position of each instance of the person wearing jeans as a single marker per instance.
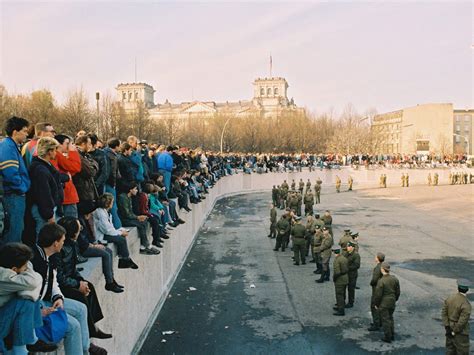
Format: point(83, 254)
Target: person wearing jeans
point(16, 181)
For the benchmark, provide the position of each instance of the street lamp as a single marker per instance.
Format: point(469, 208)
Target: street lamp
point(223, 131)
point(97, 97)
point(465, 138)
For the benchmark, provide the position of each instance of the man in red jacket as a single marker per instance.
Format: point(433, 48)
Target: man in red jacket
point(68, 161)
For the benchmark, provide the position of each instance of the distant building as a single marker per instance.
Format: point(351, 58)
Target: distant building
point(270, 100)
point(427, 128)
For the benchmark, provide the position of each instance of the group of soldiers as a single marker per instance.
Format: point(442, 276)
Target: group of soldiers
point(284, 197)
point(350, 182)
point(460, 178)
point(316, 237)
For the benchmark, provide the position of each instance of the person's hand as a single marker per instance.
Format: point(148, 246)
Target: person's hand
point(46, 311)
point(162, 212)
point(124, 233)
point(84, 288)
point(142, 218)
point(59, 303)
point(98, 246)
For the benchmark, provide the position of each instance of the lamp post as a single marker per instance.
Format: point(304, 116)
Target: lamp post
point(97, 97)
point(223, 131)
point(466, 139)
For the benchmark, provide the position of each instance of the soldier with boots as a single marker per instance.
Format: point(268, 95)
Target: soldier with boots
point(381, 181)
point(293, 185)
point(350, 181)
point(341, 279)
point(338, 184)
point(298, 233)
point(455, 315)
point(301, 186)
point(353, 263)
point(327, 219)
point(317, 190)
point(387, 293)
point(316, 245)
point(376, 275)
point(283, 231)
point(310, 229)
point(300, 203)
point(275, 195)
point(385, 180)
point(308, 203)
point(325, 250)
point(435, 179)
point(273, 221)
point(308, 185)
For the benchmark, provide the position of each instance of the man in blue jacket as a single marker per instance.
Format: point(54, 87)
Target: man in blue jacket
point(16, 181)
point(165, 166)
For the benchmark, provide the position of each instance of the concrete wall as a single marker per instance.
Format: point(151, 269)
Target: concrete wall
point(130, 314)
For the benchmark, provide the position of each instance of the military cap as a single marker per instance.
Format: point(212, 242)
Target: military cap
point(385, 266)
point(351, 244)
point(336, 249)
point(463, 283)
point(347, 230)
point(317, 226)
point(297, 218)
point(316, 215)
point(325, 228)
point(354, 235)
point(381, 256)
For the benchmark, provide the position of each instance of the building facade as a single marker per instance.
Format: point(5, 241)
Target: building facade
point(422, 129)
point(270, 100)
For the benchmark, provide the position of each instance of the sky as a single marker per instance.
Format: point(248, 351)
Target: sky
point(382, 55)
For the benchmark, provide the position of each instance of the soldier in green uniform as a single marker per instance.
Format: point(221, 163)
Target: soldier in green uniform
point(316, 245)
point(292, 201)
point(308, 185)
point(273, 221)
point(455, 314)
point(429, 179)
point(355, 238)
point(387, 293)
point(407, 180)
point(346, 238)
point(283, 232)
point(308, 203)
point(293, 184)
point(310, 229)
point(450, 178)
point(435, 179)
point(317, 193)
point(350, 181)
point(299, 198)
point(327, 219)
point(353, 260)
point(285, 185)
point(376, 275)
point(385, 180)
point(298, 232)
point(403, 180)
point(274, 195)
point(341, 279)
point(318, 221)
point(325, 250)
point(301, 186)
point(381, 181)
point(338, 184)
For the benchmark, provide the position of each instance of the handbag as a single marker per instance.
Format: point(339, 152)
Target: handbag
point(54, 327)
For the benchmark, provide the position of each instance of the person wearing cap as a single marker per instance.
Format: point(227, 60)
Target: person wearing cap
point(299, 199)
point(325, 250)
point(310, 229)
point(341, 279)
point(298, 233)
point(353, 261)
point(293, 185)
point(355, 238)
point(317, 191)
point(316, 245)
point(455, 314)
point(346, 238)
point(327, 219)
point(376, 276)
point(338, 184)
point(283, 232)
point(387, 293)
point(308, 203)
point(273, 221)
point(350, 181)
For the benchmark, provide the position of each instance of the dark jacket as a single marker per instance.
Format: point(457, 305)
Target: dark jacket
point(114, 173)
point(84, 180)
point(65, 263)
point(41, 265)
point(46, 189)
point(127, 168)
point(103, 173)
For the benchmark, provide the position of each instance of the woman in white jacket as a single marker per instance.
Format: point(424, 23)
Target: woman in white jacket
point(105, 230)
point(20, 311)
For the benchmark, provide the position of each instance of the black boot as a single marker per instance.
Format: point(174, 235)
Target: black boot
point(326, 276)
point(322, 278)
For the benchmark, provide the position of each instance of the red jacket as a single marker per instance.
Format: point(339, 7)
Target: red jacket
point(143, 207)
point(72, 165)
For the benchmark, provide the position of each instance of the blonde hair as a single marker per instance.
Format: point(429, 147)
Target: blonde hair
point(46, 144)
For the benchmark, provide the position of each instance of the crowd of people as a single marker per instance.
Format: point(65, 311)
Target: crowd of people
point(65, 199)
point(316, 238)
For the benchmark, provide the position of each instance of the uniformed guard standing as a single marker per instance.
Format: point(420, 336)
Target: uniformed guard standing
point(455, 315)
point(308, 202)
point(299, 198)
point(325, 250)
point(327, 219)
point(429, 179)
point(403, 180)
point(310, 229)
point(338, 184)
point(316, 244)
point(301, 186)
point(283, 231)
point(346, 238)
point(274, 195)
point(308, 185)
point(376, 275)
point(435, 179)
point(450, 178)
point(353, 260)
point(381, 181)
point(350, 181)
point(387, 293)
point(293, 184)
point(298, 232)
point(273, 221)
point(341, 279)
point(407, 180)
point(317, 193)
point(385, 180)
